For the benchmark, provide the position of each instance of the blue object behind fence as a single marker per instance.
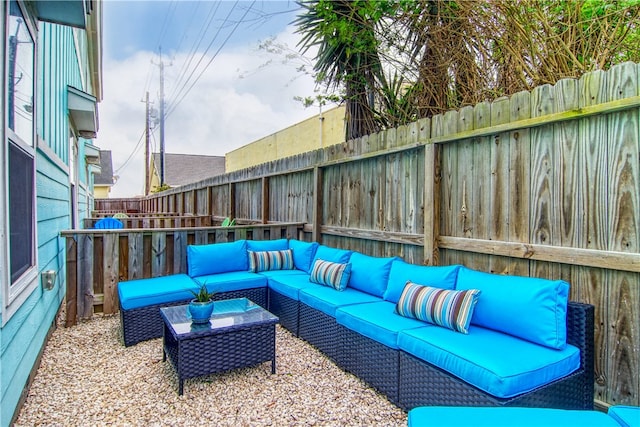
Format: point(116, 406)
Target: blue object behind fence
point(108, 223)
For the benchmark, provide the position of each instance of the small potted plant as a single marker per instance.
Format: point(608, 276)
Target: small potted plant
point(201, 306)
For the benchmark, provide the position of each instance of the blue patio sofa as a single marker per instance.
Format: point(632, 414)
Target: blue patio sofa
point(526, 344)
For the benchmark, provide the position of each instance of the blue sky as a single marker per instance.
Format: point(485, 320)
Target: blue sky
point(145, 25)
point(221, 90)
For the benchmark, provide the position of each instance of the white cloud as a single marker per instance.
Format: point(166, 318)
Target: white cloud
point(236, 101)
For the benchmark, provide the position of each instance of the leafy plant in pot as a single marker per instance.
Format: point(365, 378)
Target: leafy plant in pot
point(201, 306)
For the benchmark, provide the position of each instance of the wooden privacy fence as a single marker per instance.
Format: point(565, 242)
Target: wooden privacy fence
point(543, 183)
point(98, 259)
point(118, 205)
point(158, 221)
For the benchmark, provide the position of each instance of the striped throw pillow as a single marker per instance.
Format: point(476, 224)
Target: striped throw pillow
point(450, 309)
point(332, 274)
point(270, 260)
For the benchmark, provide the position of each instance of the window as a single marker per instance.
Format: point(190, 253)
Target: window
point(19, 155)
point(20, 51)
point(20, 212)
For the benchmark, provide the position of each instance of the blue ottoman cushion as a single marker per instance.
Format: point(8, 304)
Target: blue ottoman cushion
point(626, 416)
point(462, 416)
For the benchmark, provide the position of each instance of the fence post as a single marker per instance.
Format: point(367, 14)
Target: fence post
point(265, 200)
point(72, 281)
point(316, 235)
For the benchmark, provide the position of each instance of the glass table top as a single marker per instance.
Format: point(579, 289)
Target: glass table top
point(227, 315)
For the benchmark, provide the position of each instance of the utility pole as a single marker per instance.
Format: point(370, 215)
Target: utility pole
point(161, 120)
point(162, 156)
point(146, 148)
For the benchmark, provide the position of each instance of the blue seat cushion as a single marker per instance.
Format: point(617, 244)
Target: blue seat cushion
point(232, 281)
point(377, 321)
point(527, 307)
point(625, 416)
point(327, 300)
point(370, 274)
point(267, 245)
point(303, 254)
point(498, 363)
point(217, 258)
point(157, 290)
point(401, 272)
point(289, 285)
point(456, 416)
point(327, 253)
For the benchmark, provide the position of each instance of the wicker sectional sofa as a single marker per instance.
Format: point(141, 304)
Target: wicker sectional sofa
point(526, 345)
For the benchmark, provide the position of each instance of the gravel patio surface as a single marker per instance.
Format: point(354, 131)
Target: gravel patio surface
point(88, 378)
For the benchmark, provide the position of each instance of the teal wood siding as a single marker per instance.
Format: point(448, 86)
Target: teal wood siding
point(23, 336)
point(59, 69)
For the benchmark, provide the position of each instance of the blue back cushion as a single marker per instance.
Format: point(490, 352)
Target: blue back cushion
point(526, 307)
point(267, 245)
point(327, 253)
point(402, 272)
point(217, 258)
point(370, 274)
point(303, 254)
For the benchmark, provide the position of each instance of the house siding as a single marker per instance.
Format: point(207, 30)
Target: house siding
point(23, 336)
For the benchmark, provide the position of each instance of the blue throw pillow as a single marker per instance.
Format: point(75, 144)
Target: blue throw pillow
point(328, 253)
point(270, 260)
point(439, 277)
point(447, 308)
point(331, 274)
point(303, 254)
point(370, 274)
point(217, 258)
point(527, 307)
point(267, 245)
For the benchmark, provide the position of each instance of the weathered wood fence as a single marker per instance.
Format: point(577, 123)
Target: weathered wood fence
point(98, 259)
point(118, 205)
point(544, 183)
point(159, 221)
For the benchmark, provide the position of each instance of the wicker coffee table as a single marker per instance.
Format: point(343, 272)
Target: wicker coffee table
point(239, 334)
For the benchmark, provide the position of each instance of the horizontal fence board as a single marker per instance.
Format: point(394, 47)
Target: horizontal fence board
point(586, 257)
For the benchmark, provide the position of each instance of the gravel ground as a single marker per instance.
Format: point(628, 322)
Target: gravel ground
point(88, 378)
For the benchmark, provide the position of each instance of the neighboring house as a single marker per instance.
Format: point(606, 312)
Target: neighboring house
point(51, 68)
point(183, 169)
point(103, 179)
point(319, 131)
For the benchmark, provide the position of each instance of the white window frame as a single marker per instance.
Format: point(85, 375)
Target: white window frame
point(15, 294)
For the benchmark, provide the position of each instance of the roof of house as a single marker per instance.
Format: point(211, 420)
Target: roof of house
point(105, 177)
point(183, 169)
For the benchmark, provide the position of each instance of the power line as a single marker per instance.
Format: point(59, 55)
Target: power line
point(204, 54)
point(174, 106)
point(133, 152)
point(196, 45)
